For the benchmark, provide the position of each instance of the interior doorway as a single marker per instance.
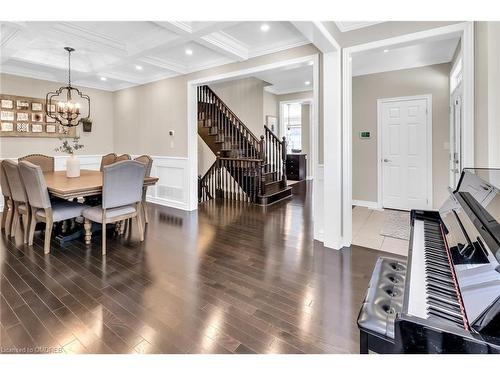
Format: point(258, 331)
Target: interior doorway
point(405, 149)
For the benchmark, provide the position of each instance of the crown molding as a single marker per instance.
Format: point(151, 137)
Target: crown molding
point(345, 26)
point(274, 91)
point(277, 48)
point(224, 43)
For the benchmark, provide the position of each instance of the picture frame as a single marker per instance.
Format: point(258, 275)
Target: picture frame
point(7, 116)
point(22, 116)
point(272, 123)
point(23, 127)
point(50, 128)
point(7, 104)
point(35, 106)
point(7, 127)
point(37, 117)
point(22, 105)
point(49, 120)
point(36, 128)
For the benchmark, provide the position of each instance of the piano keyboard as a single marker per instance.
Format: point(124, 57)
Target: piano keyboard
point(431, 268)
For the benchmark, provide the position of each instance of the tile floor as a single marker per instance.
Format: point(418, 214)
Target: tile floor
point(366, 226)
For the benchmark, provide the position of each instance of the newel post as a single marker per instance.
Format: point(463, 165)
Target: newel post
point(218, 185)
point(263, 158)
point(283, 162)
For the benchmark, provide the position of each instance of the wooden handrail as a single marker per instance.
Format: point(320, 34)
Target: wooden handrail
point(231, 113)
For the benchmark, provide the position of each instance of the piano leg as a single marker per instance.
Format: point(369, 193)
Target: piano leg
point(363, 342)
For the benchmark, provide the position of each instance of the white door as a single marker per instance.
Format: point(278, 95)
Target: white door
point(405, 153)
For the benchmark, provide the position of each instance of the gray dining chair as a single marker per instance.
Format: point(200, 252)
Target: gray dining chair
point(47, 163)
point(7, 212)
point(148, 163)
point(121, 197)
point(42, 209)
point(107, 160)
point(20, 205)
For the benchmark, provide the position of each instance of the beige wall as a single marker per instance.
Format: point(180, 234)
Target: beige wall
point(295, 96)
point(365, 92)
point(245, 97)
point(270, 105)
point(99, 141)
point(487, 95)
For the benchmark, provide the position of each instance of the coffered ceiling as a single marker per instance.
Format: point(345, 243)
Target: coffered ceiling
point(116, 55)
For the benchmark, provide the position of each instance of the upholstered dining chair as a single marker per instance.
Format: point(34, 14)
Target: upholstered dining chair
point(44, 161)
point(7, 212)
point(42, 209)
point(20, 205)
point(122, 157)
point(108, 159)
point(121, 197)
point(148, 163)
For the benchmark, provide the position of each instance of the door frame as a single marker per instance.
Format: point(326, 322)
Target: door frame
point(192, 115)
point(465, 30)
point(380, 174)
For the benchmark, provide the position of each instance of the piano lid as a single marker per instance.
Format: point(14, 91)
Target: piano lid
point(480, 189)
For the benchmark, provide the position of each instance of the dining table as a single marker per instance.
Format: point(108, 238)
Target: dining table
point(88, 184)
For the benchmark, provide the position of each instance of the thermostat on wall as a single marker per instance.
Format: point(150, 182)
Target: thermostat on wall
point(365, 135)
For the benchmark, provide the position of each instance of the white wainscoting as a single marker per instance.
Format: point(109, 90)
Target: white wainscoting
point(170, 190)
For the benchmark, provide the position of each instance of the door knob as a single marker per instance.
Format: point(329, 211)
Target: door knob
point(386, 160)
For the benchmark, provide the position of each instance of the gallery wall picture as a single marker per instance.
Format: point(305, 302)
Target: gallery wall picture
point(22, 116)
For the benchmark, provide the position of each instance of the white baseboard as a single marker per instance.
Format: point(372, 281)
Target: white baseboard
point(368, 204)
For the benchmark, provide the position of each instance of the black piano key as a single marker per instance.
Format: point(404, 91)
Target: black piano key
point(440, 284)
point(431, 289)
point(450, 313)
point(445, 302)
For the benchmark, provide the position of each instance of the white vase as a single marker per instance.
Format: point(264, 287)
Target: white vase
point(73, 167)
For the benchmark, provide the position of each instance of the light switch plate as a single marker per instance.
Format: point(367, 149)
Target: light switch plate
point(365, 134)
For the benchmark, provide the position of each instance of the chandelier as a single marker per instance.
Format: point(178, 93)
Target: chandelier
point(60, 105)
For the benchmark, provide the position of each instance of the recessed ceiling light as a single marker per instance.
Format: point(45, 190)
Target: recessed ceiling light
point(264, 27)
point(138, 67)
point(386, 50)
point(104, 79)
point(307, 83)
point(189, 52)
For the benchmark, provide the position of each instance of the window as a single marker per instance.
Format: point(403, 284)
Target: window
point(293, 125)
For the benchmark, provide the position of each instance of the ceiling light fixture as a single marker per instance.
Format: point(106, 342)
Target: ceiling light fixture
point(264, 27)
point(104, 79)
point(386, 50)
point(138, 67)
point(189, 52)
point(307, 83)
point(60, 106)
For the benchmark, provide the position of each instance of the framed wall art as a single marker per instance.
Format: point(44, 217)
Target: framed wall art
point(22, 116)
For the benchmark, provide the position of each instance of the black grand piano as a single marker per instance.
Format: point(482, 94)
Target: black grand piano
point(446, 297)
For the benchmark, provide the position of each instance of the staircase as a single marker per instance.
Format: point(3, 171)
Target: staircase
point(246, 168)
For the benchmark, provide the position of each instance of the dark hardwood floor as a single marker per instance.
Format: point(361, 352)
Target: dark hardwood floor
point(226, 279)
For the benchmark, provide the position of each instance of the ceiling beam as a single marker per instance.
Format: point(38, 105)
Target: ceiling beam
point(318, 34)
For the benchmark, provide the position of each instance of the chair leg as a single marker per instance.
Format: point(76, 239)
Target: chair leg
point(48, 234)
point(32, 229)
point(15, 220)
point(8, 221)
point(103, 251)
point(140, 226)
point(4, 212)
point(26, 225)
point(145, 211)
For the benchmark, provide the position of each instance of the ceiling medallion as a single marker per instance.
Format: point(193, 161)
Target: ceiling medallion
point(60, 105)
